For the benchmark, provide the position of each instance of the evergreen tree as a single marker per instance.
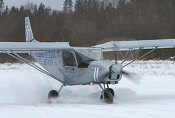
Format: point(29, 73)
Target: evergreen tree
point(6, 10)
point(41, 9)
point(1, 7)
point(68, 6)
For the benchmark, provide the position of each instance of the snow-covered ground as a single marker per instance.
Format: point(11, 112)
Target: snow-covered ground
point(23, 94)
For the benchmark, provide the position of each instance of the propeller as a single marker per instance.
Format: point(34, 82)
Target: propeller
point(133, 77)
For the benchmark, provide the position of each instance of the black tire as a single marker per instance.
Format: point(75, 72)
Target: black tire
point(111, 91)
point(107, 97)
point(53, 94)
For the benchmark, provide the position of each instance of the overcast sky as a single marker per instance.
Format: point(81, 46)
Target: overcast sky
point(54, 4)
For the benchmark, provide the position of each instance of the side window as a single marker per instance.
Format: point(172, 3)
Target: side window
point(68, 58)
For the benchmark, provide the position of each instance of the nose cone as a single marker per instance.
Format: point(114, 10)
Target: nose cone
point(117, 68)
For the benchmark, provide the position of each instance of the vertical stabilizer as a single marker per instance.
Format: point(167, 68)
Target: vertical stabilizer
point(28, 31)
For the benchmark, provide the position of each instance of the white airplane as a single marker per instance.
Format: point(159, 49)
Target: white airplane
point(80, 65)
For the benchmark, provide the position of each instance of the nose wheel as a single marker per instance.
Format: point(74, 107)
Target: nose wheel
point(107, 95)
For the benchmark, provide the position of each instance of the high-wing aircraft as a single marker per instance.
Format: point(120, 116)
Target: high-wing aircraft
point(80, 65)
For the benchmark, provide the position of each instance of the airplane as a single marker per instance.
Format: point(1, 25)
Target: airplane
point(81, 65)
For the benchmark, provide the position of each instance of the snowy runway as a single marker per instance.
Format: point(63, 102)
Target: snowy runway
point(23, 94)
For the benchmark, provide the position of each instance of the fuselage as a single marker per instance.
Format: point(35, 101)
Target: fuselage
point(78, 66)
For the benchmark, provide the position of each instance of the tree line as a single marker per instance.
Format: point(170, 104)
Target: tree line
point(90, 22)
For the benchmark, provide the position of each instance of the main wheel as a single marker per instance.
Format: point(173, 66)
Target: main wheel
point(107, 97)
point(53, 94)
point(111, 91)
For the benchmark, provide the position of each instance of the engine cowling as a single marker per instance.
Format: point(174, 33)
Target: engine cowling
point(115, 72)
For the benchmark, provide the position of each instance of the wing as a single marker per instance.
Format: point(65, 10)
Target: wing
point(135, 45)
point(27, 47)
point(37, 48)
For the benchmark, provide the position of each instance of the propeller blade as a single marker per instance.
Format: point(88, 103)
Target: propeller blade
point(134, 78)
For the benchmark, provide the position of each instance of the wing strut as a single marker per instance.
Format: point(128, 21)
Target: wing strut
point(18, 57)
point(115, 54)
point(132, 55)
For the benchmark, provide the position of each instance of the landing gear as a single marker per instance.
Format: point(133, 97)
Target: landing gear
point(54, 94)
point(107, 95)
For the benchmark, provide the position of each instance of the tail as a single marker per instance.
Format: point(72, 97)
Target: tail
point(28, 31)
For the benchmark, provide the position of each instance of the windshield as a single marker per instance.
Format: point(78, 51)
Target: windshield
point(90, 52)
point(87, 54)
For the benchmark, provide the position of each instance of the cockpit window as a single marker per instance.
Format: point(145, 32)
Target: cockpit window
point(68, 58)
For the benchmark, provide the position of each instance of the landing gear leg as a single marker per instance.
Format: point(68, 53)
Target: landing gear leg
point(54, 94)
point(107, 94)
point(110, 90)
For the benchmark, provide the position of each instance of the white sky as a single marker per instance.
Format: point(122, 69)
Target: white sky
point(54, 4)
